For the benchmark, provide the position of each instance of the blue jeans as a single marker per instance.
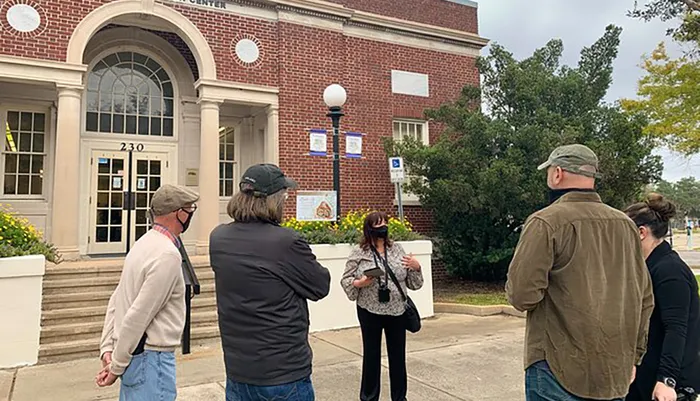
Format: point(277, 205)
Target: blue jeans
point(541, 385)
point(301, 390)
point(149, 377)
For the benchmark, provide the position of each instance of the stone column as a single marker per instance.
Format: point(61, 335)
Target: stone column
point(65, 211)
point(207, 215)
point(272, 135)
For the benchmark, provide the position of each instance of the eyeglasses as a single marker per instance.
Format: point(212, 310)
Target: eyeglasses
point(192, 208)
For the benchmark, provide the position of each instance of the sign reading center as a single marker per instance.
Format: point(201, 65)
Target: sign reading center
point(396, 170)
point(205, 3)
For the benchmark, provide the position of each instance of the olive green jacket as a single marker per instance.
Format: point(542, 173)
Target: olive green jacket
point(580, 274)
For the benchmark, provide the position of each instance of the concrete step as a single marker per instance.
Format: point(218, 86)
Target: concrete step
point(71, 350)
point(93, 330)
point(70, 270)
point(63, 273)
point(98, 284)
point(96, 298)
point(201, 304)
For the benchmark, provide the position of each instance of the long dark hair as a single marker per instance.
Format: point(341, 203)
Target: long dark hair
point(370, 221)
point(654, 213)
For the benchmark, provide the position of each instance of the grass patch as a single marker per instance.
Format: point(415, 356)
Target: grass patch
point(470, 293)
point(481, 299)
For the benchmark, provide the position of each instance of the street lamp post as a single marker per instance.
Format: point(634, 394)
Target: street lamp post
point(335, 97)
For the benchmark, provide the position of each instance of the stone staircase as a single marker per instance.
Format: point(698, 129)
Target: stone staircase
point(75, 300)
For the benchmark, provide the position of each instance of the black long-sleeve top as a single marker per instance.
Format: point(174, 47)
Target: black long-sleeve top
point(674, 330)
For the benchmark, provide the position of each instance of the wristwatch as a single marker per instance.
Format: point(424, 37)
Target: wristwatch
point(669, 382)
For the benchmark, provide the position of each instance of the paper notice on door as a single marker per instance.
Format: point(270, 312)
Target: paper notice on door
point(116, 182)
point(141, 183)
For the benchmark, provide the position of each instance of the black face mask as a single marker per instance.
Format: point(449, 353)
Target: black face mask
point(186, 224)
point(379, 232)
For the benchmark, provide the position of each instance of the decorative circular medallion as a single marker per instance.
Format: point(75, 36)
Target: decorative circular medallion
point(247, 50)
point(23, 18)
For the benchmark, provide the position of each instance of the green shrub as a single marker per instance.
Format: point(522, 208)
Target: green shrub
point(349, 230)
point(19, 238)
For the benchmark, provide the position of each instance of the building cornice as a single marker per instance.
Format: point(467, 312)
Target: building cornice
point(328, 10)
point(26, 69)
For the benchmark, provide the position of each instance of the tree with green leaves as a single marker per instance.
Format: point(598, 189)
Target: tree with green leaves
point(685, 194)
point(670, 100)
point(480, 179)
point(687, 11)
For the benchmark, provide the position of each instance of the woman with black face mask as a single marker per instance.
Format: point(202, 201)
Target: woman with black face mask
point(380, 305)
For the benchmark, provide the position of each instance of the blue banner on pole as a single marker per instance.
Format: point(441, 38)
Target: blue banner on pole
point(353, 145)
point(318, 142)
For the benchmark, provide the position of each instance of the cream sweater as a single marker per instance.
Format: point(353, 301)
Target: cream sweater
point(150, 298)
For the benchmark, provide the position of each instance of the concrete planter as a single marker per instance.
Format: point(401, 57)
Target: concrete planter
point(337, 312)
point(20, 309)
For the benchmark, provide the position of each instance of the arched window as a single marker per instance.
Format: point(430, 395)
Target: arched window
point(129, 93)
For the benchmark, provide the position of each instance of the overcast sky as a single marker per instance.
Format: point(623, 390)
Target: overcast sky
point(523, 26)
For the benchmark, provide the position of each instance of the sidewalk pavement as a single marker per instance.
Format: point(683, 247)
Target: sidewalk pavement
point(454, 357)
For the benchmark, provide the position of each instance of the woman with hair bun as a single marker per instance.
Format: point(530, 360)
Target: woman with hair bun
point(670, 369)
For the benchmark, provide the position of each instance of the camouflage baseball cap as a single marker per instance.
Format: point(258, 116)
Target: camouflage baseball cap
point(576, 159)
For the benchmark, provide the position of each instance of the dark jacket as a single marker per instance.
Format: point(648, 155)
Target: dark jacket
point(579, 272)
point(264, 276)
point(674, 330)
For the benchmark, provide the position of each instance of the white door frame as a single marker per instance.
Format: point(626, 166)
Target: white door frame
point(89, 145)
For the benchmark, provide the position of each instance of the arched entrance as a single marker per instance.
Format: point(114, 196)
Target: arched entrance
point(150, 86)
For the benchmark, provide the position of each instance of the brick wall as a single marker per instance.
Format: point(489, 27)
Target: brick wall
point(434, 12)
point(370, 109)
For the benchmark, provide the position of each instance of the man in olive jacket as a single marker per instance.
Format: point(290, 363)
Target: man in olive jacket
point(580, 274)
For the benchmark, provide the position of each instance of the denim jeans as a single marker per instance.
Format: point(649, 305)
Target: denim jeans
point(301, 390)
point(149, 377)
point(541, 385)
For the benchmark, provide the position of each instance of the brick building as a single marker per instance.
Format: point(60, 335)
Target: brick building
point(201, 89)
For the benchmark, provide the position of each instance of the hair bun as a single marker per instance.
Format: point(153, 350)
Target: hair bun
point(662, 207)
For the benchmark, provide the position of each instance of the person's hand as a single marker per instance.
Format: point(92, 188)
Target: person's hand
point(105, 377)
point(663, 392)
point(363, 282)
point(106, 359)
point(411, 262)
point(634, 374)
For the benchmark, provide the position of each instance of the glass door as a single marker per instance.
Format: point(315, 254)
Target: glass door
point(116, 179)
point(147, 178)
point(107, 216)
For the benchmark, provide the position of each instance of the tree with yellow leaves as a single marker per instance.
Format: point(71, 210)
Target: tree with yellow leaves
point(670, 100)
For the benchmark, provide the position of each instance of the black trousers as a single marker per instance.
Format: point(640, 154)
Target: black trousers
point(372, 326)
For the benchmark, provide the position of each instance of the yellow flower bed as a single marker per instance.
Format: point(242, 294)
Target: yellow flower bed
point(18, 237)
point(349, 230)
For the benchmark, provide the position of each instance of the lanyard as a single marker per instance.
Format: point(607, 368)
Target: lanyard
point(384, 261)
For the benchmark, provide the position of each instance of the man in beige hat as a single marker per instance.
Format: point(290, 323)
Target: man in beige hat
point(146, 313)
point(580, 274)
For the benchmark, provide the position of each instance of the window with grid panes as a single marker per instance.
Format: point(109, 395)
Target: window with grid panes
point(416, 130)
point(227, 161)
point(412, 129)
point(129, 93)
point(24, 153)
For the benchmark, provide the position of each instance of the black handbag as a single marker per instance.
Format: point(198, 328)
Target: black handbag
point(411, 315)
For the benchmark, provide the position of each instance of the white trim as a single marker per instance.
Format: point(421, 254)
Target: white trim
point(25, 69)
point(468, 3)
point(409, 41)
point(187, 30)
